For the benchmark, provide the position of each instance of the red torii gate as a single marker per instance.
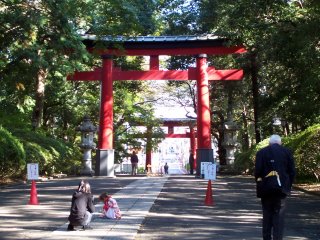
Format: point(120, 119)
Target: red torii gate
point(154, 47)
point(171, 123)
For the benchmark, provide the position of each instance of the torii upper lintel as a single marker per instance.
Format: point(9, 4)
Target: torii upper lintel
point(161, 45)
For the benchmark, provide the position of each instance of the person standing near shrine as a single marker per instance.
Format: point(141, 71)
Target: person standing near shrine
point(134, 163)
point(166, 168)
point(191, 162)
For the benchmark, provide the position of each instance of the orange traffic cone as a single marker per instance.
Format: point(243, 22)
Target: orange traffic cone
point(209, 200)
point(33, 194)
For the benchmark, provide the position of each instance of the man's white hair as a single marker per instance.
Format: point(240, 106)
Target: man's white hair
point(275, 139)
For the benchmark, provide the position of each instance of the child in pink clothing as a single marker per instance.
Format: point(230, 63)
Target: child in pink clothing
point(110, 209)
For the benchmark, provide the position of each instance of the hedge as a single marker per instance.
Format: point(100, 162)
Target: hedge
point(19, 147)
point(12, 155)
point(304, 145)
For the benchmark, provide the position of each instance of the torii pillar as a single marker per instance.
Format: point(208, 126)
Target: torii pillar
point(148, 148)
point(105, 152)
point(204, 150)
point(153, 65)
point(193, 146)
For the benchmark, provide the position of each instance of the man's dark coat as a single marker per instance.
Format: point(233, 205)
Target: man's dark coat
point(284, 164)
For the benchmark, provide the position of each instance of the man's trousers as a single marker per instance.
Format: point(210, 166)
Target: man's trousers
point(273, 209)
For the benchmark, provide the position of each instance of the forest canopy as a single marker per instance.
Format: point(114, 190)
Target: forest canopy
point(41, 45)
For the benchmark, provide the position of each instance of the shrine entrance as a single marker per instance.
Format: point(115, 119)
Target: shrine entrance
point(175, 149)
point(154, 47)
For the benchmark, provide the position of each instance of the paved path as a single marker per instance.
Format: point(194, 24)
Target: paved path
point(180, 213)
point(135, 201)
point(154, 208)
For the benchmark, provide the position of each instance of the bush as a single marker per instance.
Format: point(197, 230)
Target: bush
point(53, 156)
point(306, 152)
point(12, 155)
point(244, 161)
point(304, 145)
point(141, 170)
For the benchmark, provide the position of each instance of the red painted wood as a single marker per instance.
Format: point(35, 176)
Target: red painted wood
point(106, 106)
point(86, 76)
point(170, 129)
point(154, 62)
point(201, 74)
point(151, 75)
point(192, 141)
point(203, 110)
point(148, 146)
point(217, 75)
point(148, 158)
point(193, 146)
point(177, 135)
point(178, 75)
point(231, 74)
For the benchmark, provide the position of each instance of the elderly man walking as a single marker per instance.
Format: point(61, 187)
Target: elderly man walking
point(277, 162)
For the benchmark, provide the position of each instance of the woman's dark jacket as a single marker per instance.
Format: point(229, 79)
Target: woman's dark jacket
point(283, 164)
point(81, 202)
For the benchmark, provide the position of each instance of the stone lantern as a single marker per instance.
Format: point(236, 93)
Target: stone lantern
point(87, 130)
point(230, 131)
point(230, 141)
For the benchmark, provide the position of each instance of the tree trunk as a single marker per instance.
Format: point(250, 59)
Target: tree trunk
point(217, 131)
point(245, 137)
point(39, 99)
point(255, 94)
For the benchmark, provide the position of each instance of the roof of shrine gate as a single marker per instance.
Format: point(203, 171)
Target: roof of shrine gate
point(178, 121)
point(162, 45)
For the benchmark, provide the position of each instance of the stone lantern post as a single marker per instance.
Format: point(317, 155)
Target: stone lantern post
point(230, 130)
point(87, 130)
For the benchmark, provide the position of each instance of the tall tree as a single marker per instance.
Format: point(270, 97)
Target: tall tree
point(38, 37)
point(43, 39)
point(278, 35)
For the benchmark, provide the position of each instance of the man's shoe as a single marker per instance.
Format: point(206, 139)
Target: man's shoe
point(87, 227)
point(70, 227)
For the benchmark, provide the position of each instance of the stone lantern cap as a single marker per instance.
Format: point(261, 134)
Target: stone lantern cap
point(86, 125)
point(230, 126)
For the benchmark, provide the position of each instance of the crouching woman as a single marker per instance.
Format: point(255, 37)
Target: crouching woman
point(82, 207)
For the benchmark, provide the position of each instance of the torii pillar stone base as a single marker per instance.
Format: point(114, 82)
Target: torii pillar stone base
point(203, 155)
point(105, 162)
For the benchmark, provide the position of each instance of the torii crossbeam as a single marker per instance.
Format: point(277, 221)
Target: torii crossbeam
point(153, 47)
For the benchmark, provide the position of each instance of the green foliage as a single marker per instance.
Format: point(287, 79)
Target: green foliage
point(179, 17)
point(131, 111)
point(12, 118)
point(52, 155)
point(21, 147)
point(122, 17)
point(305, 148)
point(44, 35)
point(283, 37)
point(306, 151)
point(12, 155)
point(244, 161)
point(141, 170)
